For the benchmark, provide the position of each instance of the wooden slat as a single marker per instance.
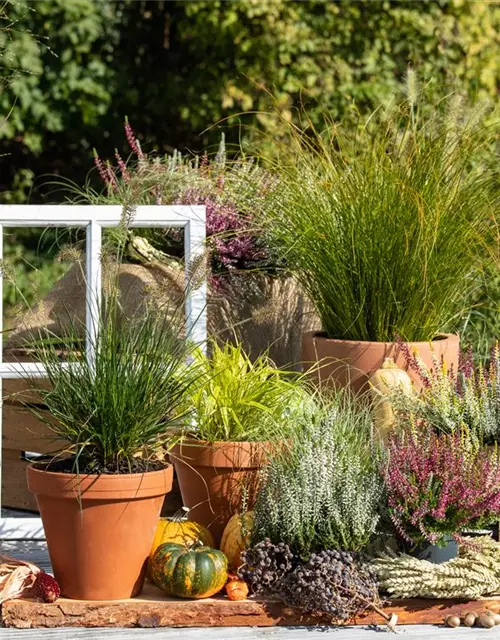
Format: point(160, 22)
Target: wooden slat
point(15, 492)
point(23, 431)
point(231, 633)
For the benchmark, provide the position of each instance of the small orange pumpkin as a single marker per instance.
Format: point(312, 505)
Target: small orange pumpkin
point(236, 589)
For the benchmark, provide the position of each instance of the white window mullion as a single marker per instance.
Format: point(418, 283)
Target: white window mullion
point(196, 286)
point(93, 288)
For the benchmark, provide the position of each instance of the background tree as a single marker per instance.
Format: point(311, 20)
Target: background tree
point(175, 68)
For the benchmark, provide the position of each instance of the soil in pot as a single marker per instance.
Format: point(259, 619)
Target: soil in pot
point(350, 363)
point(215, 477)
point(99, 528)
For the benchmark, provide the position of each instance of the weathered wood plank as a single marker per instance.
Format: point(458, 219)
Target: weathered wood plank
point(152, 609)
point(231, 633)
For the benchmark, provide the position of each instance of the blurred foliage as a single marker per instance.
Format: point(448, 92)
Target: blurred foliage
point(71, 69)
point(177, 67)
point(34, 261)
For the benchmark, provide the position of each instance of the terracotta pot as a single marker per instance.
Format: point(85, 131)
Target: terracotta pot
point(212, 477)
point(99, 528)
point(350, 363)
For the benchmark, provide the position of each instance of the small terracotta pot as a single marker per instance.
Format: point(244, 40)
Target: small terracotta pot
point(350, 363)
point(99, 528)
point(213, 476)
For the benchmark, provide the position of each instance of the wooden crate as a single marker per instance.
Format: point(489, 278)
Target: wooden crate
point(15, 494)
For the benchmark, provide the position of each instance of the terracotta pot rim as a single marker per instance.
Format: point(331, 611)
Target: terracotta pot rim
point(223, 444)
point(93, 486)
point(321, 335)
point(223, 455)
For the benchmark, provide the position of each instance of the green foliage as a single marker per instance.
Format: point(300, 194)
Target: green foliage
point(386, 224)
point(326, 492)
point(237, 400)
point(128, 403)
point(34, 260)
point(177, 67)
point(71, 69)
point(451, 401)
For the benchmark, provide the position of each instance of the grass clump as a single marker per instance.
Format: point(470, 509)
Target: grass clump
point(387, 224)
point(237, 400)
point(127, 402)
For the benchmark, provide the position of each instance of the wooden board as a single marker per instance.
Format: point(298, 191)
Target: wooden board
point(23, 431)
point(15, 492)
point(152, 609)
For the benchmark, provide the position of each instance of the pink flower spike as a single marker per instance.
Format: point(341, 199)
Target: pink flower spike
point(101, 169)
point(122, 166)
point(131, 139)
point(112, 181)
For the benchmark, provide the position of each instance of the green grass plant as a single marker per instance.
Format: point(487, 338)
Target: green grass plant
point(238, 400)
point(387, 224)
point(129, 402)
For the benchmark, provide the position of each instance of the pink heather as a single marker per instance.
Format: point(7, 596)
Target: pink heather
point(112, 181)
point(122, 166)
point(101, 169)
point(437, 479)
point(412, 362)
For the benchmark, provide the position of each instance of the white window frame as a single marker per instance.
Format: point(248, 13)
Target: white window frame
point(94, 218)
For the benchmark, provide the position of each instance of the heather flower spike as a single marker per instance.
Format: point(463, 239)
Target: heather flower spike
point(225, 189)
point(450, 402)
point(122, 166)
point(101, 168)
point(112, 182)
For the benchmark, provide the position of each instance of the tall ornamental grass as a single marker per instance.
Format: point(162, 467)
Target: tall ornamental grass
point(386, 224)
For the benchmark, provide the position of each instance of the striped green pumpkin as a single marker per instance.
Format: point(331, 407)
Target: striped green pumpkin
point(189, 572)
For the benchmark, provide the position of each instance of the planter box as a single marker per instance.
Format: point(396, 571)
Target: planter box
point(151, 609)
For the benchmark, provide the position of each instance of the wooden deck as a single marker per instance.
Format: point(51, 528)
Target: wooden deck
point(37, 552)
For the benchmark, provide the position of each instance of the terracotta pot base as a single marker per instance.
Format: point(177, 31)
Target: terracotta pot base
point(350, 363)
point(99, 529)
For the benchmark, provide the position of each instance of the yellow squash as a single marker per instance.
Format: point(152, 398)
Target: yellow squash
point(383, 382)
point(236, 537)
point(179, 530)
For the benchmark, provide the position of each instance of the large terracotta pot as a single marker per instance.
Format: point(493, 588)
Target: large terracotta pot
point(213, 476)
point(99, 528)
point(350, 363)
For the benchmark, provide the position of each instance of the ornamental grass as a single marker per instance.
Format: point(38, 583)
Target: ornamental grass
point(240, 400)
point(386, 224)
point(118, 410)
